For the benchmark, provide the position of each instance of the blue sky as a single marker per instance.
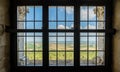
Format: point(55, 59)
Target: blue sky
point(58, 13)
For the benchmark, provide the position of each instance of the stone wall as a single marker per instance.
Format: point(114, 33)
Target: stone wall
point(4, 38)
point(117, 37)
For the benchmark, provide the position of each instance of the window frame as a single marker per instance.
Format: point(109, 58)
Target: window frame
point(76, 4)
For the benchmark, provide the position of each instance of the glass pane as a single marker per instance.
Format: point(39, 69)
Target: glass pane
point(69, 25)
point(83, 34)
point(30, 14)
point(21, 59)
point(30, 43)
point(92, 60)
point(100, 25)
point(20, 43)
point(30, 25)
point(83, 25)
point(100, 43)
point(61, 13)
point(83, 13)
point(61, 43)
point(69, 13)
point(92, 43)
point(21, 25)
point(30, 58)
point(52, 58)
point(52, 12)
point(83, 58)
point(38, 43)
point(38, 25)
point(83, 43)
point(52, 43)
point(52, 25)
point(69, 58)
point(53, 34)
point(21, 13)
point(38, 59)
point(92, 15)
point(100, 13)
point(38, 12)
point(30, 34)
point(61, 25)
point(61, 58)
point(69, 43)
point(100, 58)
point(92, 25)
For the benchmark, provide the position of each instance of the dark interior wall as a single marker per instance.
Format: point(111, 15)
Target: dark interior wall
point(117, 37)
point(4, 38)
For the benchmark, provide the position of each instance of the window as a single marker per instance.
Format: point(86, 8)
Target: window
point(61, 35)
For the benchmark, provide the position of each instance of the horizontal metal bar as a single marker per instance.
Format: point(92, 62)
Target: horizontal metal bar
point(62, 2)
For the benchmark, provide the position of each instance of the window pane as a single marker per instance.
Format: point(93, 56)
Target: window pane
point(100, 13)
point(83, 13)
point(38, 59)
point(21, 15)
point(52, 43)
point(92, 15)
point(38, 43)
point(100, 58)
point(61, 58)
point(21, 25)
point(83, 25)
point(30, 25)
point(100, 25)
point(52, 12)
point(69, 59)
point(30, 43)
point(29, 48)
point(61, 49)
point(38, 12)
point(21, 59)
point(38, 25)
point(30, 58)
point(83, 43)
point(69, 13)
point(52, 58)
point(92, 43)
point(92, 60)
point(83, 58)
point(52, 25)
point(30, 14)
point(69, 43)
point(61, 13)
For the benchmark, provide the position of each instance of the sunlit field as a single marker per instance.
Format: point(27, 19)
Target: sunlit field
point(60, 51)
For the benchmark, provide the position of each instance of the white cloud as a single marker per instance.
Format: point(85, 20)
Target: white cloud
point(84, 13)
point(72, 26)
point(69, 10)
point(62, 27)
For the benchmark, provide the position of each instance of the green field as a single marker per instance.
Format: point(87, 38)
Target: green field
point(58, 55)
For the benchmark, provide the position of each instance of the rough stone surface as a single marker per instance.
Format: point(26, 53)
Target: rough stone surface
point(117, 37)
point(4, 39)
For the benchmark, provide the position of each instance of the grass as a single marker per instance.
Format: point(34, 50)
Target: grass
point(58, 55)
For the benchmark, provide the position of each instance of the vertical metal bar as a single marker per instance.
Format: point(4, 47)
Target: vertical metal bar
point(76, 36)
point(45, 36)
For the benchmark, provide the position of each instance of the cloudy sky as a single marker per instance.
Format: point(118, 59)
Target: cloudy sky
point(58, 15)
